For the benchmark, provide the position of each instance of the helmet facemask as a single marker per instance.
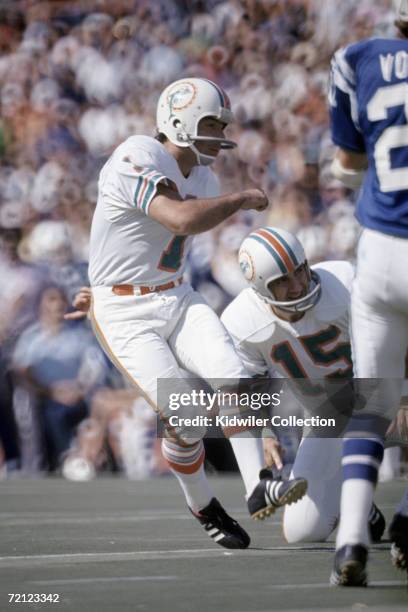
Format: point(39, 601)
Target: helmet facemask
point(192, 139)
point(269, 254)
point(299, 305)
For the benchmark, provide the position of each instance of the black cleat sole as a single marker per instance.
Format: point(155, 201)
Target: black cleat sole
point(291, 496)
point(352, 573)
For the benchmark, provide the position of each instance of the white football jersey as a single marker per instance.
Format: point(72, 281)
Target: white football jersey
point(316, 346)
point(127, 246)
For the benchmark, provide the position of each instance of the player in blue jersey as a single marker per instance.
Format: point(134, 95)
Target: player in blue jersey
point(369, 119)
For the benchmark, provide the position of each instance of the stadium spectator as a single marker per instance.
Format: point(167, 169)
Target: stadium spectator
point(61, 365)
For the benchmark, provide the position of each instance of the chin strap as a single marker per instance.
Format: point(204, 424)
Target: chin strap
point(202, 160)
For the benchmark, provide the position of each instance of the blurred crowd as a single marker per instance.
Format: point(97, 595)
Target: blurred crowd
point(76, 78)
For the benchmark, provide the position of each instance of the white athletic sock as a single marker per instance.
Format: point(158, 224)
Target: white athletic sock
point(403, 505)
point(360, 462)
point(355, 506)
point(249, 455)
point(187, 464)
point(196, 489)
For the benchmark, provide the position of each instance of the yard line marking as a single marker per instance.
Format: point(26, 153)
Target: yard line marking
point(184, 553)
point(327, 585)
point(11, 520)
point(106, 556)
point(15, 522)
point(77, 581)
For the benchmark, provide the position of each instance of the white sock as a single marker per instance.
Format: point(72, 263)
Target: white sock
point(355, 506)
point(187, 464)
point(249, 455)
point(196, 489)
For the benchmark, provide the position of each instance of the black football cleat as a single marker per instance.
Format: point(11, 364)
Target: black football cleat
point(221, 528)
point(271, 493)
point(398, 532)
point(376, 524)
point(350, 566)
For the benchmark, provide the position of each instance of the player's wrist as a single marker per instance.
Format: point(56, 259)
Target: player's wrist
point(268, 433)
point(350, 177)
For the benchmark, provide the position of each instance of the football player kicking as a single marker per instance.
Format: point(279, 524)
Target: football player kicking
point(368, 106)
point(154, 194)
point(293, 322)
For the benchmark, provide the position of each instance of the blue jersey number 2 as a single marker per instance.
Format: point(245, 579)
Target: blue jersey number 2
point(395, 136)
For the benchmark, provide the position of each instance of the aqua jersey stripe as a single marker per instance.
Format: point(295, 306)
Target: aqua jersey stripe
point(274, 254)
point(140, 181)
point(137, 190)
point(285, 245)
point(146, 181)
point(148, 194)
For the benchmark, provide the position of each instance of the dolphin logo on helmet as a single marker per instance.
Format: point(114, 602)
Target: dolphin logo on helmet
point(181, 107)
point(270, 253)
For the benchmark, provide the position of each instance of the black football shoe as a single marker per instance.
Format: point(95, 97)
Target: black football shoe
point(376, 524)
point(350, 566)
point(272, 493)
point(398, 532)
point(221, 528)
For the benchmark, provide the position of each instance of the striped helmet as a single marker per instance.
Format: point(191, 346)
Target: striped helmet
point(183, 104)
point(270, 253)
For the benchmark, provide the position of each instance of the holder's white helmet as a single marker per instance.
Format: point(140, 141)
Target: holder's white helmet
point(401, 10)
point(183, 104)
point(270, 253)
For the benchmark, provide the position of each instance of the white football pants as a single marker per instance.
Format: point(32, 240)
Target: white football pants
point(313, 518)
point(379, 316)
point(156, 335)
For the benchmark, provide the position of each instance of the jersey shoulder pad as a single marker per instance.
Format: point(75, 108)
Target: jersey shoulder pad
point(336, 278)
point(145, 152)
point(248, 319)
point(353, 52)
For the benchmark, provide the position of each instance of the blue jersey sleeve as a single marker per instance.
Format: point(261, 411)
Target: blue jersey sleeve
point(369, 114)
point(345, 128)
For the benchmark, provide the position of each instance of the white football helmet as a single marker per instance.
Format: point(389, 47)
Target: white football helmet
point(270, 253)
point(183, 104)
point(401, 10)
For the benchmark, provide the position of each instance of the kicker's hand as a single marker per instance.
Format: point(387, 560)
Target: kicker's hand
point(399, 426)
point(273, 453)
point(81, 303)
point(254, 199)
